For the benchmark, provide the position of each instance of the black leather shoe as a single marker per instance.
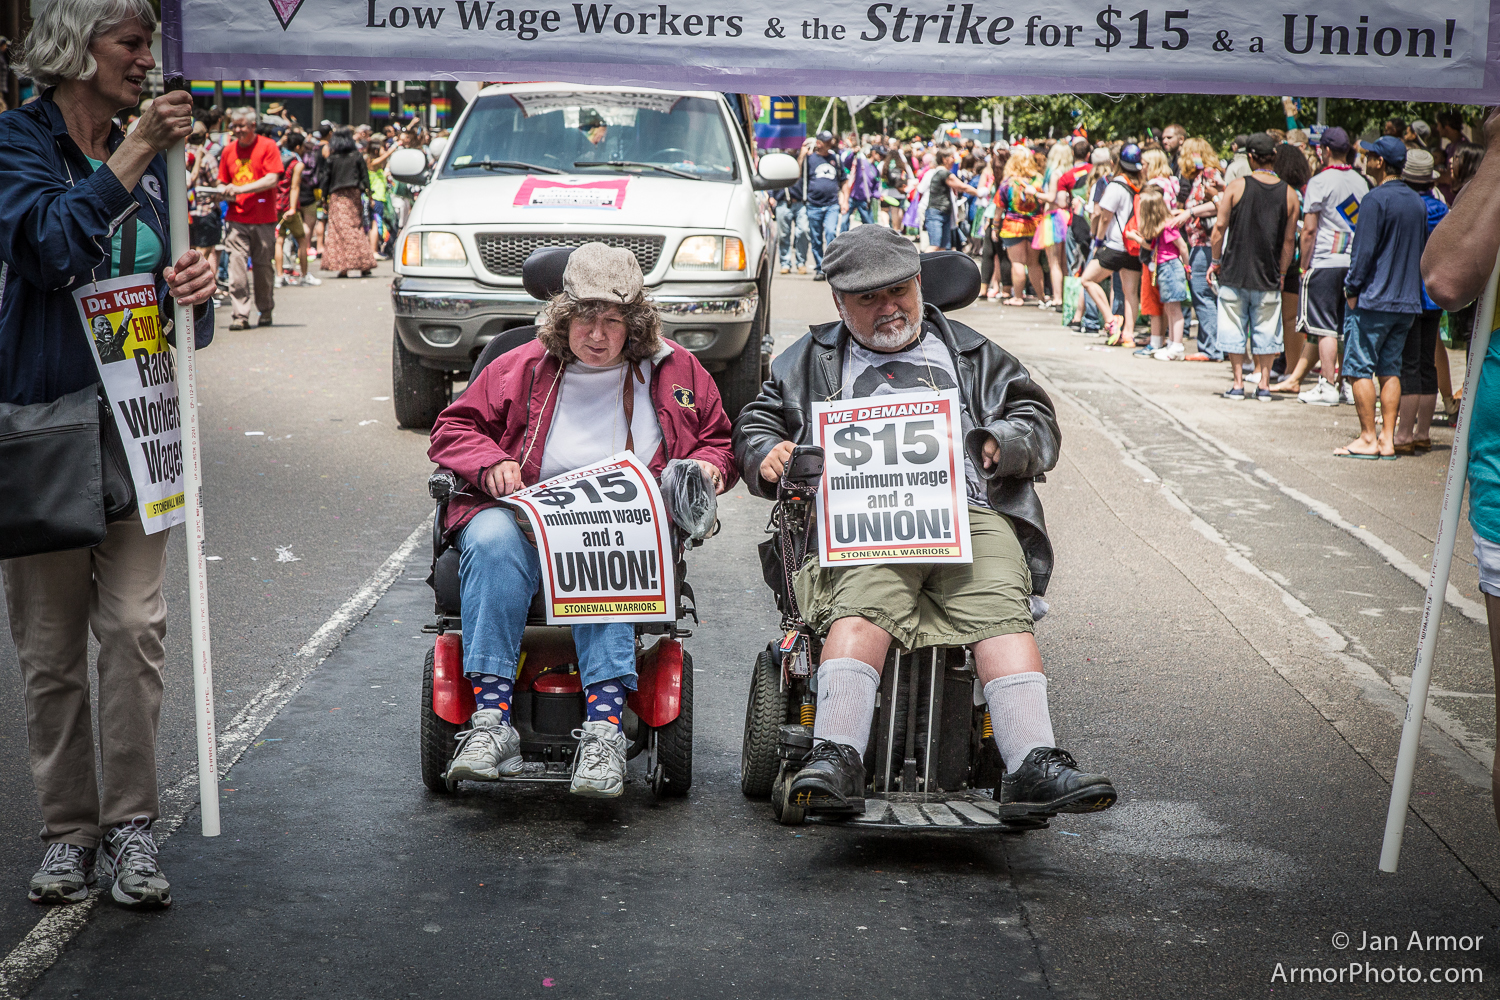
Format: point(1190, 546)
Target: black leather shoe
point(832, 779)
point(265, 319)
point(1050, 780)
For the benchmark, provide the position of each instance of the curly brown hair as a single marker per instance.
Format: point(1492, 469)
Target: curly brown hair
point(642, 325)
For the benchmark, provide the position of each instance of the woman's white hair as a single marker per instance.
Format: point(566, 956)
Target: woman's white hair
point(57, 48)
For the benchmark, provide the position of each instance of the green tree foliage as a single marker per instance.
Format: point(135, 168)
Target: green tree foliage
point(1216, 117)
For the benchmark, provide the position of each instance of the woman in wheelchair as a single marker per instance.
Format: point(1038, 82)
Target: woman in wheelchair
point(599, 379)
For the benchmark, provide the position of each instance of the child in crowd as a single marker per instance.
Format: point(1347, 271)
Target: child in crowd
point(1166, 272)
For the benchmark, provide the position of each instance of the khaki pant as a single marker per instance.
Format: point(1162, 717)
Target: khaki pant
point(115, 588)
point(251, 244)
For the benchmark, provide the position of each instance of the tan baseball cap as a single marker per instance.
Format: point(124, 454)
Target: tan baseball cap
point(596, 271)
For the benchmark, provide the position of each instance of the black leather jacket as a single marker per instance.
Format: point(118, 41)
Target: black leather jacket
point(998, 395)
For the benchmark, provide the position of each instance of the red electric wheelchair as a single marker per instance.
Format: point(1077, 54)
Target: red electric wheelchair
point(548, 699)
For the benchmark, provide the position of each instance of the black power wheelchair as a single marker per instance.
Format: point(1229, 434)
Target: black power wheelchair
point(932, 764)
point(548, 698)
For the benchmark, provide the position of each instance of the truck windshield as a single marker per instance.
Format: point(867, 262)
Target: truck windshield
point(558, 131)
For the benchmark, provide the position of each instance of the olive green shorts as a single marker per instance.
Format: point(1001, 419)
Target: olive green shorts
point(929, 604)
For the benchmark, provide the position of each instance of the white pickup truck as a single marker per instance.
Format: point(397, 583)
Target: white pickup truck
point(669, 175)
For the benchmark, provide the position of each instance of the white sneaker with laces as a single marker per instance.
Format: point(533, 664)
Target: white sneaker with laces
point(308, 279)
point(1170, 352)
point(1346, 394)
point(128, 856)
point(490, 749)
point(1322, 394)
point(599, 765)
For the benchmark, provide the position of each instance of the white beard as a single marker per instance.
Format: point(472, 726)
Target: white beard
point(890, 333)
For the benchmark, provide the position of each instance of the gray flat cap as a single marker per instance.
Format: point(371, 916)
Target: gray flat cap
point(869, 257)
point(597, 271)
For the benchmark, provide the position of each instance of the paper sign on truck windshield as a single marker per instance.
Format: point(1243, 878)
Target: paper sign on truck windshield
point(602, 536)
point(893, 480)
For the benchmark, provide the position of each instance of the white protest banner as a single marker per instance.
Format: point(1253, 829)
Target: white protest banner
point(1388, 49)
point(123, 322)
point(603, 538)
point(893, 480)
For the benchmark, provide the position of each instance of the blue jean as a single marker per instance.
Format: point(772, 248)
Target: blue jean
point(822, 227)
point(498, 572)
point(1205, 304)
point(939, 227)
point(791, 232)
point(1373, 342)
point(1246, 315)
point(863, 209)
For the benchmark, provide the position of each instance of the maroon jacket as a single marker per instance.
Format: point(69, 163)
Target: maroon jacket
point(508, 410)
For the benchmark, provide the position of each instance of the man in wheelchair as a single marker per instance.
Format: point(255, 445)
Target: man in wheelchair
point(889, 342)
point(599, 379)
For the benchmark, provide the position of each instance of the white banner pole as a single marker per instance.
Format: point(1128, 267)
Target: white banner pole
point(1437, 586)
point(187, 389)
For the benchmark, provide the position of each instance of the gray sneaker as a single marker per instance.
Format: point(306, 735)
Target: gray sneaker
point(487, 751)
point(129, 857)
point(599, 765)
point(66, 874)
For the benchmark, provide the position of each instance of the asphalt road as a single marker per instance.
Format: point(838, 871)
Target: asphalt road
point(1232, 613)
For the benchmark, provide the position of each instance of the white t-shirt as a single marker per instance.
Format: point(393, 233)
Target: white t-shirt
point(1334, 193)
point(588, 425)
point(925, 366)
point(1120, 200)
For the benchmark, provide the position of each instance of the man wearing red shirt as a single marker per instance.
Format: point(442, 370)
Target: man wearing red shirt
point(249, 169)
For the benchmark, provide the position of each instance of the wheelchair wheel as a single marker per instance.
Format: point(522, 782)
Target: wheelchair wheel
point(437, 738)
point(785, 813)
point(764, 714)
point(674, 744)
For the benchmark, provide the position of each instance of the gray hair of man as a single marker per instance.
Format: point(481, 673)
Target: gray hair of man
point(57, 48)
point(242, 114)
point(887, 333)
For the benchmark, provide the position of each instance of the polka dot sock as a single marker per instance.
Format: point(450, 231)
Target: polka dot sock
point(606, 702)
point(492, 691)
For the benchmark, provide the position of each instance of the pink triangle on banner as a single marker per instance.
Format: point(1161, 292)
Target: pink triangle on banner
point(285, 11)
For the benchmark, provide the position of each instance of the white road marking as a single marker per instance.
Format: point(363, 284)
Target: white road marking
point(43, 944)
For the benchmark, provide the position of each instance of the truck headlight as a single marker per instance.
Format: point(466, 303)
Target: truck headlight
point(711, 253)
point(433, 250)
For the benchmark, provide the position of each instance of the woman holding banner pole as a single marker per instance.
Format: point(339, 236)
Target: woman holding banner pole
point(598, 380)
point(79, 202)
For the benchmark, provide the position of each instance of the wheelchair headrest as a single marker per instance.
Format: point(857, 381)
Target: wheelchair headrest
point(542, 274)
point(950, 279)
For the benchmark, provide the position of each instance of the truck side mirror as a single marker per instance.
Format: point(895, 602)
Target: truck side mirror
point(409, 166)
point(775, 171)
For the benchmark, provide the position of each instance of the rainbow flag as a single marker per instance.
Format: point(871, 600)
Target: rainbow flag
point(782, 123)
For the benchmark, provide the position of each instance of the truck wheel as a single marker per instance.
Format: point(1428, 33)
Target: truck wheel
point(437, 738)
point(740, 383)
point(764, 714)
point(420, 393)
point(674, 743)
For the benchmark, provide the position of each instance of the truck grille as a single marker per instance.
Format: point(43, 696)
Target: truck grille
point(504, 253)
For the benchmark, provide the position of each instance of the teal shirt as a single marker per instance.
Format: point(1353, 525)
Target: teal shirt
point(148, 249)
point(1483, 414)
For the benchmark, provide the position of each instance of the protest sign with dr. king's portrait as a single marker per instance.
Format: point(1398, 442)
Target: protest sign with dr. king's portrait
point(123, 321)
point(603, 539)
point(893, 482)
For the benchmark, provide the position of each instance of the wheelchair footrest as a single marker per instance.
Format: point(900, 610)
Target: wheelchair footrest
point(940, 813)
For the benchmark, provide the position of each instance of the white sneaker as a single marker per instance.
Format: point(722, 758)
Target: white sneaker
point(599, 765)
point(487, 751)
point(1346, 394)
point(308, 279)
point(1322, 394)
point(281, 281)
point(1170, 352)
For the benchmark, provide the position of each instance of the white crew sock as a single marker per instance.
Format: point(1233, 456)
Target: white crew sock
point(846, 702)
point(1018, 713)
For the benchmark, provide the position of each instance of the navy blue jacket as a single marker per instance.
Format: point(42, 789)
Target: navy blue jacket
point(1385, 259)
point(52, 237)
